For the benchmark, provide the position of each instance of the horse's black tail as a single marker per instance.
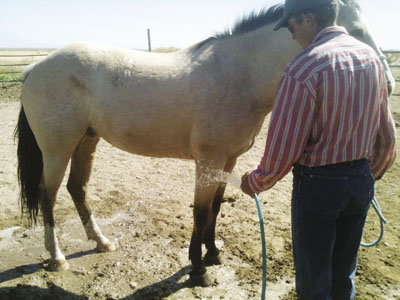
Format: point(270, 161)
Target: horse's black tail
point(30, 167)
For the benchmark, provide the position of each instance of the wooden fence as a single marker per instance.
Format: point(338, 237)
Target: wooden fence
point(395, 65)
point(394, 58)
point(6, 66)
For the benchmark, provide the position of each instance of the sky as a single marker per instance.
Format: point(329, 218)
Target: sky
point(172, 23)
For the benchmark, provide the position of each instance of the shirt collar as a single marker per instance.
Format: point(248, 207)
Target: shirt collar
point(330, 30)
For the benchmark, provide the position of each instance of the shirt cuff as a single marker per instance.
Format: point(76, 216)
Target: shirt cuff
point(255, 187)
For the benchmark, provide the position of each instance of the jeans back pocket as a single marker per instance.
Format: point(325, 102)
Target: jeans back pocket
point(327, 195)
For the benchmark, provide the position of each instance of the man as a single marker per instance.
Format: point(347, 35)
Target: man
point(332, 121)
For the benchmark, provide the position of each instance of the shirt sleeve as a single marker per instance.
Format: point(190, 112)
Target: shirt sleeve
point(384, 149)
point(289, 130)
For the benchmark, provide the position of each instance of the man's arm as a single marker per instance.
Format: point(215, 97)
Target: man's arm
point(290, 127)
point(385, 143)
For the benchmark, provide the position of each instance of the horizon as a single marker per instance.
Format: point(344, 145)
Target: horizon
point(41, 24)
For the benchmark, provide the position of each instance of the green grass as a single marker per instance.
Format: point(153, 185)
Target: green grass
point(10, 77)
point(393, 58)
point(166, 50)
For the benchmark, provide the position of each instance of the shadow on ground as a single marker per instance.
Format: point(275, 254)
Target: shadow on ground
point(155, 291)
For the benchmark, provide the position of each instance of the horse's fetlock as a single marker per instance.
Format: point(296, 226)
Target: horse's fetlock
point(199, 277)
point(198, 271)
point(213, 251)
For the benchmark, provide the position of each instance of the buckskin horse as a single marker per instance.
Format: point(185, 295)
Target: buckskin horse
point(206, 103)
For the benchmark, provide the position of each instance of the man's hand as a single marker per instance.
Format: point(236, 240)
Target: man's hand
point(245, 185)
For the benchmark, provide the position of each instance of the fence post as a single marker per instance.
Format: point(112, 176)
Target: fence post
point(149, 39)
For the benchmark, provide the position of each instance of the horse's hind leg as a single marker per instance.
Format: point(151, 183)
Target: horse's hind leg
point(212, 256)
point(53, 172)
point(81, 165)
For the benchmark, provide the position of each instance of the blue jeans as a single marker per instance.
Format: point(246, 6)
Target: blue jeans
point(329, 208)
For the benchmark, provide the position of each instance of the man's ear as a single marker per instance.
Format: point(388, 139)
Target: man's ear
point(309, 19)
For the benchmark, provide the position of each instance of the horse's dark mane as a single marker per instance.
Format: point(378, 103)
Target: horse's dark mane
point(254, 21)
point(248, 23)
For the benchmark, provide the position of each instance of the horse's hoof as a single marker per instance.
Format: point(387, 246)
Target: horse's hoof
point(213, 260)
point(109, 247)
point(58, 265)
point(202, 280)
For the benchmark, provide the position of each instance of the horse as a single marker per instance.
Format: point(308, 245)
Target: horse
point(205, 103)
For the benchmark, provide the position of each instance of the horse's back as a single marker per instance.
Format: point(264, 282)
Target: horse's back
point(135, 100)
point(150, 104)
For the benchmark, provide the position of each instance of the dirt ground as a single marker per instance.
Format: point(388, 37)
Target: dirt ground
point(144, 206)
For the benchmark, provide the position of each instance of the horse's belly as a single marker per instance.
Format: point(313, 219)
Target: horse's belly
point(152, 144)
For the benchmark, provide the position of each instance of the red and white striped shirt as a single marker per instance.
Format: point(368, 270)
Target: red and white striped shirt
point(332, 106)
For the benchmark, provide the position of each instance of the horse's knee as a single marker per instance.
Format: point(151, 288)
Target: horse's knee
point(76, 190)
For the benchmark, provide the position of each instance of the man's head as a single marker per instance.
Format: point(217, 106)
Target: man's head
point(305, 18)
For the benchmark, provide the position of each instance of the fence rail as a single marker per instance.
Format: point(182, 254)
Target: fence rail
point(391, 51)
point(13, 68)
point(14, 65)
point(10, 72)
point(22, 55)
point(388, 52)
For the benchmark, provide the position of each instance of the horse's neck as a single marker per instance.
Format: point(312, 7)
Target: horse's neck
point(263, 56)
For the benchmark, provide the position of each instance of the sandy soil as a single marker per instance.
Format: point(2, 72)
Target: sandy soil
point(144, 206)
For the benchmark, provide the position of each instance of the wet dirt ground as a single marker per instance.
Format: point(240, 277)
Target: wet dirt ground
point(144, 206)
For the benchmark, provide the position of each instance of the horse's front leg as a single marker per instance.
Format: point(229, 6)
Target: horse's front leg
point(213, 256)
point(207, 178)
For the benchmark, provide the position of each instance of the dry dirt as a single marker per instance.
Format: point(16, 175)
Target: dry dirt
point(144, 206)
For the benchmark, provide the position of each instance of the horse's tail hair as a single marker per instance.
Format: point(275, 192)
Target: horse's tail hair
point(30, 167)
